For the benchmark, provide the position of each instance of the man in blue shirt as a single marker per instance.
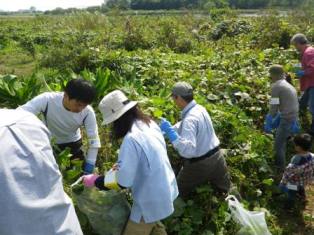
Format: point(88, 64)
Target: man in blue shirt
point(195, 140)
point(32, 197)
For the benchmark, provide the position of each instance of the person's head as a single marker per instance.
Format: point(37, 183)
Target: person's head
point(182, 94)
point(117, 109)
point(78, 93)
point(303, 143)
point(299, 41)
point(276, 72)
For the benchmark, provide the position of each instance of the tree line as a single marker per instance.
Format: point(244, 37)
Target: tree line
point(200, 4)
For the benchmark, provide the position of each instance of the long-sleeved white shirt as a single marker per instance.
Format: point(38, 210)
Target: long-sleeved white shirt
point(65, 125)
point(196, 132)
point(32, 196)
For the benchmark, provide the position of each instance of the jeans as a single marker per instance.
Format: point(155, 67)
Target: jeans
point(282, 134)
point(307, 101)
point(292, 194)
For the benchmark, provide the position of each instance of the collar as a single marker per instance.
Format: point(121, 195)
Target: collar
point(188, 108)
point(278, 81)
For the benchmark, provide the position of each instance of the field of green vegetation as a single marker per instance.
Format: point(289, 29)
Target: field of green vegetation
point(224, 56)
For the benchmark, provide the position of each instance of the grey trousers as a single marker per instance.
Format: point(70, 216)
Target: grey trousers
point(282, 134)
point(213, 170)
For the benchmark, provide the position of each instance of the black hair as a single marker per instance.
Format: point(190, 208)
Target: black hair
point(304, 141)
point(81, 90)
point(124, 124)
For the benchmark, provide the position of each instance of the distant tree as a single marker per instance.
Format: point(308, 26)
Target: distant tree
point(118, 4)
point(32, 9)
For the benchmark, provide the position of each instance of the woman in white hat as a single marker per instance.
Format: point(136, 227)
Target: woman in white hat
point(143, 165)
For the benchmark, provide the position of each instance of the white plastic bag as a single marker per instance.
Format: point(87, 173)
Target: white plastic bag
point(253, 222)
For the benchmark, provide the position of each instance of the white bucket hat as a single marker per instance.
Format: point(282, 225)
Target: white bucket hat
point(114, 105)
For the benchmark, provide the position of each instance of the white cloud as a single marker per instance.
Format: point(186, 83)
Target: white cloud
point(13, 5)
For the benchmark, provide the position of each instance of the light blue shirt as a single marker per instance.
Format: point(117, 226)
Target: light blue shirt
point(196, 132)
point(32, 198)
point(145, 168)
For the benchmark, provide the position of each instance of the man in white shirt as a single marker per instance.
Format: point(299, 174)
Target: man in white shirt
point(195, 140)
point(65, 113)
point(32, 198)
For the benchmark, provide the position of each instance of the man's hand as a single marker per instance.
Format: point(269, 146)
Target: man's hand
point(276, 121)
point(300, 73)
point(268, 123)
point(167, 128)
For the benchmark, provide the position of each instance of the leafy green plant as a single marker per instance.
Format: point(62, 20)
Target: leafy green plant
point(17, 91)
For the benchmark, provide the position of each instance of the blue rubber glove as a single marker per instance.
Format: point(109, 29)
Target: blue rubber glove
point(295, 127)
point(88, 168)
point(167, 128)
point(164, 125)
point(300, 73)
point(276, 121)
point(268, 123)
point(283, 188)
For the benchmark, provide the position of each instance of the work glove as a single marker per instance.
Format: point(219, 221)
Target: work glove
point(300, 73)
point(276, 121)
point(295, 127)
point(268, 123)
point(88, 168)
point(89, 180)
point(169, 131)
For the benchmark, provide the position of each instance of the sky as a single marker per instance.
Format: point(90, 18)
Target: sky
point(13, 5)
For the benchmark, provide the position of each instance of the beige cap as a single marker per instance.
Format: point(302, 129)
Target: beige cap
point(114, 105)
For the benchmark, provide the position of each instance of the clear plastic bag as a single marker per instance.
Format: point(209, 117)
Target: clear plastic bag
point(107, 211)
point(252, 222)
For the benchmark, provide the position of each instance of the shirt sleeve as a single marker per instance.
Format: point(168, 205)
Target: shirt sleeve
point(37, 104)
point(91, 127)
point(91, 155)
point(186, 143)
point(274, 101)
point(309, 69)
point(127, 162)
point(176, 126)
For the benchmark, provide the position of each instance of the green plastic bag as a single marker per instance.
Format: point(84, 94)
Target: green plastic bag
point(107, 211)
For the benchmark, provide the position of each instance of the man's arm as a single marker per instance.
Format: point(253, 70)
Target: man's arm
point(274, 101)
point(186, 143)
point(37, 104)
point(90, 124)
point(309, 61)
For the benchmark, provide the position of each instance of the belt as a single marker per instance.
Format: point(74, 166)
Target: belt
point(206, 155)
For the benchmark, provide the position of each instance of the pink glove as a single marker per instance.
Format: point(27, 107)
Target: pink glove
point(89, 180)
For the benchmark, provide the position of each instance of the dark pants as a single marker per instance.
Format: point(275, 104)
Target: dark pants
point(212, 169)
point(307, 102)
point(75, 150)
point(281, 138)
point(292, 194)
